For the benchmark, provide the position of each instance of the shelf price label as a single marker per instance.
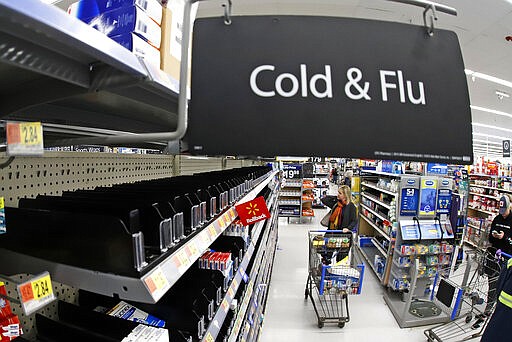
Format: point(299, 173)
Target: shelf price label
point(225, 305)
point(212, 231)
point(36, 293)
point(24, 138)
point(232, 213)
point(231, 293)
point(209, 338)
point(221, 222)
point(157, 283)
point(192, 249)
point(235, 283)
point(226, 218)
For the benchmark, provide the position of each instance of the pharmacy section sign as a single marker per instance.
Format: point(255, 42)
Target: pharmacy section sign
point(268, 86)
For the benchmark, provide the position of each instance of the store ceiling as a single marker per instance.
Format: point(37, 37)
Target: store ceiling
point(482, 28)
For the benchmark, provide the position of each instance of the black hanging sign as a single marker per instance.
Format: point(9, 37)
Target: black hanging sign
point(506, 148)
point(300, 86)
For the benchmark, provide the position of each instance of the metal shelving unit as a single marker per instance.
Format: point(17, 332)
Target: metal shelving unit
point(137, 289)
point(57, 69)
point(374, 186)
point(377, 228)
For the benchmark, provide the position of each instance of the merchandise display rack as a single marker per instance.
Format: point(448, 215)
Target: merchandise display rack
point(68, 72)
point(172, 267)
point(290, 198)
point(372, 221)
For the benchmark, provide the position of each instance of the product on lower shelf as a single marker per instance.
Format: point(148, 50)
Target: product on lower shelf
point(129, 312)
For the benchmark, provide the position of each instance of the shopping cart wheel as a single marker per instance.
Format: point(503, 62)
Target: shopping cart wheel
point(469, 317)
point(341, 324)
point(320, 324)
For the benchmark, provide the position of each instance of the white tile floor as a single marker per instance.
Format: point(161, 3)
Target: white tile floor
point(290, 318)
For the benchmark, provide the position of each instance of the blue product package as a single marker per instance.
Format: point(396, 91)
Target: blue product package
point(139, 47)
point(86, 9)
point(127, 20)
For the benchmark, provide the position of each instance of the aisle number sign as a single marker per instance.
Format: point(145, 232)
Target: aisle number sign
point(25, 138)
point(36, 293)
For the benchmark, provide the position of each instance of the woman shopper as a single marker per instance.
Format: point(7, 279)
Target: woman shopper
point(343, 211)
point(341, 217)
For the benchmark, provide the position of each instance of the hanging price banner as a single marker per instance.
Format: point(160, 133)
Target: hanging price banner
point(24, 138)
point(36, 293)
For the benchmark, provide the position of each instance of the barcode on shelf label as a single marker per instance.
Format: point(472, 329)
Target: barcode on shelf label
point(36, 293)
point(142, 27)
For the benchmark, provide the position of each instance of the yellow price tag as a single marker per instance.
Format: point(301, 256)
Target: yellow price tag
point(192, 249)
point(36, 293)
point(225, 305)
point(235, 283)
point(160, 280)
point(182, 257)
point(232, 214)
point(231, 292)
point(222, 224)
point(209, 338)
point(24, 138)
point(212, 231)
point(226, 218)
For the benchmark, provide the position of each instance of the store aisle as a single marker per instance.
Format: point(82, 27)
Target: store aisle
point(290, 318)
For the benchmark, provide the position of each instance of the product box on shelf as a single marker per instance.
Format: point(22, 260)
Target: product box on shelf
point(139, 47)
point(172, 29)
point(3, 228)
point(127, 20)
point(129, 312)
point(86, 9)
point(10, 328)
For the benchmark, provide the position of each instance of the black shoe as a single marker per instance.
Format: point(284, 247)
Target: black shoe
point(476, 325)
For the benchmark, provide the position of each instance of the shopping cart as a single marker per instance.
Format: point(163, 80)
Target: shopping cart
point(334, 274)
point(471, 279)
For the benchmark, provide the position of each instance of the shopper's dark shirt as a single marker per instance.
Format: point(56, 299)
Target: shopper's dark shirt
point(501, 224)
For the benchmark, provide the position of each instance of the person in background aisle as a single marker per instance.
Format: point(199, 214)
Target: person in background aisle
point(347, 180)
point(334, 175)
point(343, 211)
point(497, 329)
point(499, 238)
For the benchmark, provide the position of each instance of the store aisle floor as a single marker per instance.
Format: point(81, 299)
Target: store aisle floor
point(291, 318)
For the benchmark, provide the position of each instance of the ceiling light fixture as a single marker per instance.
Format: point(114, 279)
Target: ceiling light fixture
point(491, 126)
point(490, 136)
point(488, 78)
point(492, 111)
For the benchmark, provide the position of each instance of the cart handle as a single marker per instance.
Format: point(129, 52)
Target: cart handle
point(499, 253)
point(328, 231)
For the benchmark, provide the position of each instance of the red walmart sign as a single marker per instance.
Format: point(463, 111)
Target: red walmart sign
point(253, 211)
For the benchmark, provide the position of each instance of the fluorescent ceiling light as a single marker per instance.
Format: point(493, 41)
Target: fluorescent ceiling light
point(491, 126)
point(492, 111)
point(491, 136)
point(487, 141)
point(488, 78)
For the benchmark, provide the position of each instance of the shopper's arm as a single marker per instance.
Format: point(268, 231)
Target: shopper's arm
point(352, 217)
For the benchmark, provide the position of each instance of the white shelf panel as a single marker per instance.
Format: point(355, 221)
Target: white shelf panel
point(475, 227)
point(382, 217)
point(374, 186)
point(371, 198)
point(377, 228)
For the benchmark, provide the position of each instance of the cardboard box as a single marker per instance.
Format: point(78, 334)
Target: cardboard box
point(127, 20)
point(10, 328)
point(170, 49)
point(86, 9)
point(139, 47)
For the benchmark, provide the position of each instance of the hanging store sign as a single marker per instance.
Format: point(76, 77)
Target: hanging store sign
point(268, 85)
point(506, 148)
